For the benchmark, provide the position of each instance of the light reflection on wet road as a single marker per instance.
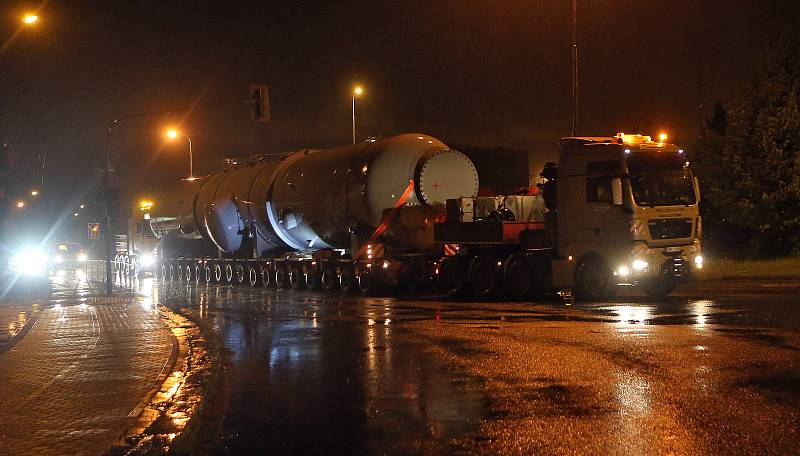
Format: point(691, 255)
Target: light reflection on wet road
point(712, 369)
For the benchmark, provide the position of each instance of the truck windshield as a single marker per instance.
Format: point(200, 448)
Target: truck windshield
point(660, 180)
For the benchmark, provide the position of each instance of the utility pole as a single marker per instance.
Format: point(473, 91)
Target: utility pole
point(574, 68)
point(107, 196)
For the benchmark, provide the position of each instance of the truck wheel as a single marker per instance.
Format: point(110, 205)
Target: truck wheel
point(294, 279)
point(593, 279)
point(312, 280)
point(207, 271)
point(280, 277)
point(658, 287)
point(346, 280)
point(240, 274)
point(217, 273)
point(364, 281)
point(451, 277)
point(328, 280)
point(252, 276)
point(228, 273)
point(517, 277)
point(265, 276)
point(482, 276)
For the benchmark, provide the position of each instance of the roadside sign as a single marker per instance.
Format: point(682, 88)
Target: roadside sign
point(94, 230)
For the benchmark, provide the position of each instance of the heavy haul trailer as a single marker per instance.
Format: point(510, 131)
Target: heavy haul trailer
point(349, 217)
point(613, 211)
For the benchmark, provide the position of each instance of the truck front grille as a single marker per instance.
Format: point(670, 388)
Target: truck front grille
point(670, 228)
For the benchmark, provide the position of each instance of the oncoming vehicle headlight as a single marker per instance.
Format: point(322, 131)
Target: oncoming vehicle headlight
point(58, 259)
point(146, 260)
point(82, 257)
point(698, 261)
point(623, 271)
point(30, 262)
point(639, 265)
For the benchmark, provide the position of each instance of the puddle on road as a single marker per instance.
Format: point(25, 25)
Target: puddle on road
point(312, 374)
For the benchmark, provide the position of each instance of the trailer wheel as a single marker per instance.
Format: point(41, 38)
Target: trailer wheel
point(312, 280)
point(228, 273)
point(517, 278)
point(658, 288)
point(217, 273)
point(207, 271)
point(451, 277)
point(240, 274)
point(265, 276)
point(593, 279)
point(328, 280)
point(280, 277)
point(252, 275)
point(482, 276)
point(346, 280)
point(364, 281)
point(294, 279)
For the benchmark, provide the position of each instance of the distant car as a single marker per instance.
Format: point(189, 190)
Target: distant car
point(67, 255)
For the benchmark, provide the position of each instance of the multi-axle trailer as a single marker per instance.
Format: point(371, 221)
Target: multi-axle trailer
point(404, 212)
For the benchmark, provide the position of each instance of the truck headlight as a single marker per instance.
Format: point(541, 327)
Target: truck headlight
point(623, 271)
point(58, 259)
point(639, 265)
point(698, 261)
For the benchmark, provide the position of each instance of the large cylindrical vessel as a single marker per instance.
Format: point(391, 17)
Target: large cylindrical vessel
point(390, 190)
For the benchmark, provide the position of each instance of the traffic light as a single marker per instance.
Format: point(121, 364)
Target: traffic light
point(94, 230)
point(259, 103)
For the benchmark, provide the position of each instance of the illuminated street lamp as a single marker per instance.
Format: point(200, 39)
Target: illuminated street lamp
point(172, 134)
point(20, 204)
point(30, 19)
point(357, 91)
point(34, 192)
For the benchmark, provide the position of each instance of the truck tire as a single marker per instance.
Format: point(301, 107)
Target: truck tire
point(364, 282)
point(329, 280)
point(294, 279)
point(518, 277)
point(482, 276)
point(240, 274)
point(451, 276)
point(311, 279)
point(252, 275)
point(346, 280)
point(658, 288)
point(266, 276)
point(593, 279)
point(280, 277)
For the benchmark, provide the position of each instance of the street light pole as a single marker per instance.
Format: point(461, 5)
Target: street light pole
point(107, 196)
point(354, 118)
point(356, 91)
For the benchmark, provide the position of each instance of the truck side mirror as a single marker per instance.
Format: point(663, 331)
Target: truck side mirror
point(696, 184)
point(616, 191)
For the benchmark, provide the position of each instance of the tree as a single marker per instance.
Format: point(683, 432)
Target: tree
point(750, 163)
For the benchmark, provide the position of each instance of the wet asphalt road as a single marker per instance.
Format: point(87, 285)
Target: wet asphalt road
point(714, 369)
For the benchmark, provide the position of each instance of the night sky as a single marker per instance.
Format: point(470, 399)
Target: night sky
point(485, 73)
